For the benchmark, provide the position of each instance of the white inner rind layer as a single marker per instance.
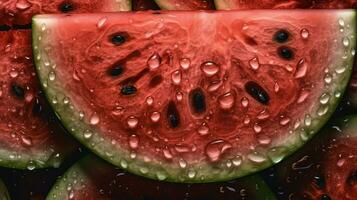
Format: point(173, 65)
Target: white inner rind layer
point(266, 156)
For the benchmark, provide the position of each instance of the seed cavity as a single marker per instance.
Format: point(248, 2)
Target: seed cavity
point(173, 116)
point(18, 91)
point(281, 36)
point(128, 90)
point(257, 92)
point(66, 7)
point(118, 38)
point(155, 81)
point(197, 101)
point(286, 53)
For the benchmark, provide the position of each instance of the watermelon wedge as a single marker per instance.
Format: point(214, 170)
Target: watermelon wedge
point(185, 5)
point(326, 168)
point(103, 181)
point(160, 97)
point(284, 4)
point(31, 136)
point(4, 194)
point(20, 12)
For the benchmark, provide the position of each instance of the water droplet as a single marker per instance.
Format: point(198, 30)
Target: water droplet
point(149, 100)
point(31, 166)
point(308, 120)
point(155, 116)
point(144, 170)
point(191, 173)
point(176, 77)
point(325, 98)
point(226, 101)
point(346, 41)
point(101, 22)
point(245, 102)
point(328, 78)
point(303, 96)
point(214, 85)
point(341, 22)
point(87, 134)
point(340, 69)
point(23, 4)
point(182, 163)
point(94, 119)
point(304, 33)
point(246, 120)
point(254, 63)
point(209, 68)
point(257, 128)
point(276, 87)
point(133, 141)
point(256, 157)
point(185, 63)
point(132, 121)
point(284, 121)
point(264, 140)
point(340, 162)
point(264, 114)
point(237, 161)
point(179, 96)
point(154, 61)
point(322, 110)
point(52, 76)
point(26, 140)
point(14, 73)
point(301, 69)
point(161, 176)
point(276, 154)
point(215, 148)
point(167, 153)
point(337, 94)
point(54, 100)
point(203, 129)
point(124, 164)
point(65, 100)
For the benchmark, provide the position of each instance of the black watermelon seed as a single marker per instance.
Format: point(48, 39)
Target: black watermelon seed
point(128, 90)
point(37, 107)
point(118, 38)
point(5, 27)
point(173, 115)
point(281, 36)
point(257, 92)
point(197, 100)
point(285, 53)
point(18, 91)
point(21, 26)
point(320, 182)
point(325, 197)
point(66, 7)
point(116, 70)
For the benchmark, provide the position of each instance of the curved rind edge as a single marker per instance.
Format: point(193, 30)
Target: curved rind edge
point(207, 173)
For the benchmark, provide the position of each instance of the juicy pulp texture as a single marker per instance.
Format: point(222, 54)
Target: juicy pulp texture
point(103, 181)
point(284, 4)
point(30, 135)
point(195, 96)
point(185, 5)
point(21, 11)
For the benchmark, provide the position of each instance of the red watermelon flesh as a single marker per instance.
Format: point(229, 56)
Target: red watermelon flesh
point(185, 5)
point(30, 135)
point(284, 4)
point(327, 167)
point(21, 11)
point(195, 96)
point(144, 5)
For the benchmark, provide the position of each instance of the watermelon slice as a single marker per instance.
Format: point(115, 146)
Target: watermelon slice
point(283, 4)
point(4, 194)
point(31, 137)
point(19, 12)
point(103, 181)
point(326, 168)
point(162, 98)
point(185, 5)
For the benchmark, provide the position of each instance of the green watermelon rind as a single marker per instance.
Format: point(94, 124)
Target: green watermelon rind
point(75, 178)
point(103, 147)
point(4, 194)
point(221, 5)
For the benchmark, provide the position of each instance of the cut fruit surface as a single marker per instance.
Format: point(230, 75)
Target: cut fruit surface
point(326, 168)
point(4, 194)
point(30, 135)
point(20, 12)
point(284, 4)
point(103, 181)
point(236, 95)
point(185, 5)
